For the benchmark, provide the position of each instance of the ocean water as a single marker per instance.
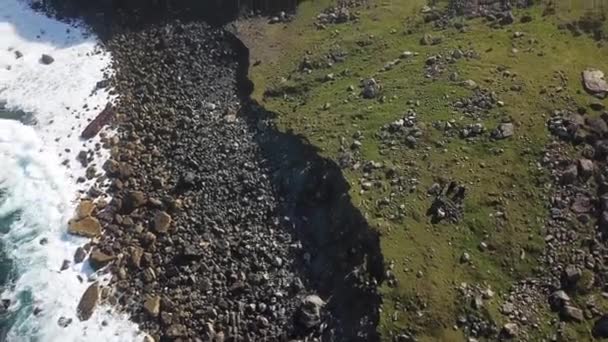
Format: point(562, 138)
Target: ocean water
point(43, 109)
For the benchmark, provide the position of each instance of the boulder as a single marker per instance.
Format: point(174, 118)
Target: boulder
point(310, 311)
point(572, 313)
point(99, 259)
point(79, 255)
point(135, 254)
point(134, 200)
point(162, 222)
point(469, 84)
point(570, 276)
point(558, 299)
point(152, 305)
point(84, 209)
point(87, 227)
point(504, 130)
point(46, 59)
point(597, 126)
point(510, 330)
point(569, 174)
point(594, 82)
point(582, 204)
point(600, 327)
point(585, 168)
point(371, 88)
point(426, 39)
point(87, 303)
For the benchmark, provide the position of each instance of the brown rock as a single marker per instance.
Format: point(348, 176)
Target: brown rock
point(84, 209)
point(162, 221)
point(88, 227)
point(136, 254)
point(99, 259)
point(135, 199)
point(152, 306)
point(87, 303)
point(97, 124)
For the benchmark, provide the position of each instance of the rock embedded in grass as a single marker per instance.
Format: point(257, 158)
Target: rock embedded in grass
point(594, 82)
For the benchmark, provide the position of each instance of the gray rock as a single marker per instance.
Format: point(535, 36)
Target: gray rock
point(64, 322)
point(310, 311)
point(46, 59)
point(585, 168)
point(469, 84)
point(79, 255)
point(572, 313)
point(504, 130)
point(162, 222)
point(570, 174)
point(64, 265)
point(558, 300)
point(510, 330)
point(371, 88)
point(594, 82)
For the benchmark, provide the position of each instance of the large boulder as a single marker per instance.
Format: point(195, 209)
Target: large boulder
point(371, 88)
point(99, 259)
point(594, 82)
point(84, 209)
point(310, 311)
point(504, 130)
point(87, 227)
point(87, 303)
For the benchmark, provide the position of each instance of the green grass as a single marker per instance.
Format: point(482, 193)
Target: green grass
point(508, 182)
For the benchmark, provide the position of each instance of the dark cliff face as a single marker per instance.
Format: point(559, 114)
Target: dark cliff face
point(107, 13)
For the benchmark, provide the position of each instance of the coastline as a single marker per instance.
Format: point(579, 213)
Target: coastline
point(43, 180)
point(217, 224)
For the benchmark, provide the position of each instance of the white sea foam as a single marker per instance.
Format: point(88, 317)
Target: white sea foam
point(36, 187)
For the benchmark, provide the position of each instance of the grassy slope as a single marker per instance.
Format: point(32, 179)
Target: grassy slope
point(507, 182)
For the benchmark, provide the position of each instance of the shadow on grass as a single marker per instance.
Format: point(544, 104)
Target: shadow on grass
point(343, 259)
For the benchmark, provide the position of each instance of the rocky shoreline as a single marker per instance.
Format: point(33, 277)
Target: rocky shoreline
point(220, 227)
